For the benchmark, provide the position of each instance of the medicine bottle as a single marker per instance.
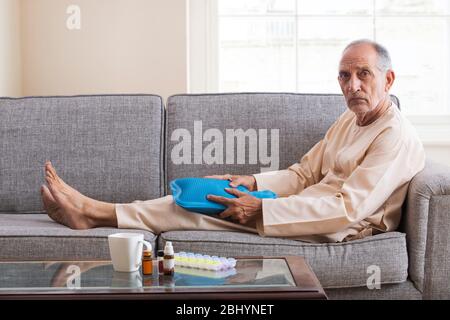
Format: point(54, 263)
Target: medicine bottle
point(147, 262)
point(169, 259)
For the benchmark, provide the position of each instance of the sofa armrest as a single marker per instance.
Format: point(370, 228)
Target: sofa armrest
point(426, 221)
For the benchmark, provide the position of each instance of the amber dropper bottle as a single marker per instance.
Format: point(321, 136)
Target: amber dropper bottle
point(169, 259)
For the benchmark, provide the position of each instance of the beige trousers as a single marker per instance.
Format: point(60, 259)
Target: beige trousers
point(162, 214)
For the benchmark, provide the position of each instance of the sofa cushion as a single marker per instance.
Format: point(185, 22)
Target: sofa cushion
point(37, 237)
point(108, 147)
point(337, 265)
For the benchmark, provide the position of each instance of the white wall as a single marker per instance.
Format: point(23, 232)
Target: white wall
point(123, 46)
point(10, 60)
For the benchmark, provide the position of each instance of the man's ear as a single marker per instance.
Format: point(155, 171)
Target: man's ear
point(390, 78)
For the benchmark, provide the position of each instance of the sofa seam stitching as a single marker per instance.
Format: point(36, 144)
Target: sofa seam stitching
point(83, 96)
point(294, 245)
point(61, 236)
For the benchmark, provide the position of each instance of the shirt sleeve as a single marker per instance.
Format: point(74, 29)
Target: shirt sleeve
point(388, 164)
point(297, 177)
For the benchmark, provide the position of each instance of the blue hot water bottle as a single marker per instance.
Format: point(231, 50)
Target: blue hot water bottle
point(190, 194)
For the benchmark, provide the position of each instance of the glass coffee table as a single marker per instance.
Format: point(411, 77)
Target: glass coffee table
point(288, 277)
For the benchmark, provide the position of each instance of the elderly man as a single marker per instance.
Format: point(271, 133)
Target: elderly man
point(351, 184)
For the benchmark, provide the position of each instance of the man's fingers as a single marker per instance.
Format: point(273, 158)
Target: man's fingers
point(227, 213)
point(220, 177)
point(236, 182)
point(219, 199)
point(235, 213)
point(235, 192)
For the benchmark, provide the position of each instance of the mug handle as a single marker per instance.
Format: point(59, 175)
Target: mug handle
point(147, 244)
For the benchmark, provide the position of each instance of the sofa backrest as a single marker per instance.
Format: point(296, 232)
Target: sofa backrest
point(283, 126)
point(109, 147)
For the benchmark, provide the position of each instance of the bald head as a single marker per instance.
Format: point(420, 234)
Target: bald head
point(384, 58)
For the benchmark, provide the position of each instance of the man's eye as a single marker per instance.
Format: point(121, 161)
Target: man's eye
point(364, 73)
point(343, 76)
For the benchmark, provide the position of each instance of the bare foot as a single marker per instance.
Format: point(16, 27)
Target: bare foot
point(63, 203)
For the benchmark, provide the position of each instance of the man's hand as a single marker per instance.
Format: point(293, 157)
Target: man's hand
point(243, 209)
point(247, 181)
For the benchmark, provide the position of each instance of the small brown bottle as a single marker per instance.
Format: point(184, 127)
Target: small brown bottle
point(169, 259)
point(147, 262)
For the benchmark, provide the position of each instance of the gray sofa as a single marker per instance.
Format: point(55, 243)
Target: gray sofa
point(120, 148)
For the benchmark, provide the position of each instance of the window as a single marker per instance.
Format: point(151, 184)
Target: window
point(295, 46)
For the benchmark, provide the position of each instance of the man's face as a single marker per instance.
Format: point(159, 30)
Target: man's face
point(363, 84)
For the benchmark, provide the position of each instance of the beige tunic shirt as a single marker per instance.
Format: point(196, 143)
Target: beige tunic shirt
point(351, 184)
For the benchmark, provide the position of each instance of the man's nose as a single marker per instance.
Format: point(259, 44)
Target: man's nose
point(354, 84)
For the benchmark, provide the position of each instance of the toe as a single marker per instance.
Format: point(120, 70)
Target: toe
point(53, 188)
point(52, 169)
point(50, 205)
point(58, 191)
point(49, 175)
point(47, 197)
point(49, 181)
point(49, 172)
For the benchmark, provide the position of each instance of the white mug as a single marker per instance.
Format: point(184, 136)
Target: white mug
point(126, 250)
